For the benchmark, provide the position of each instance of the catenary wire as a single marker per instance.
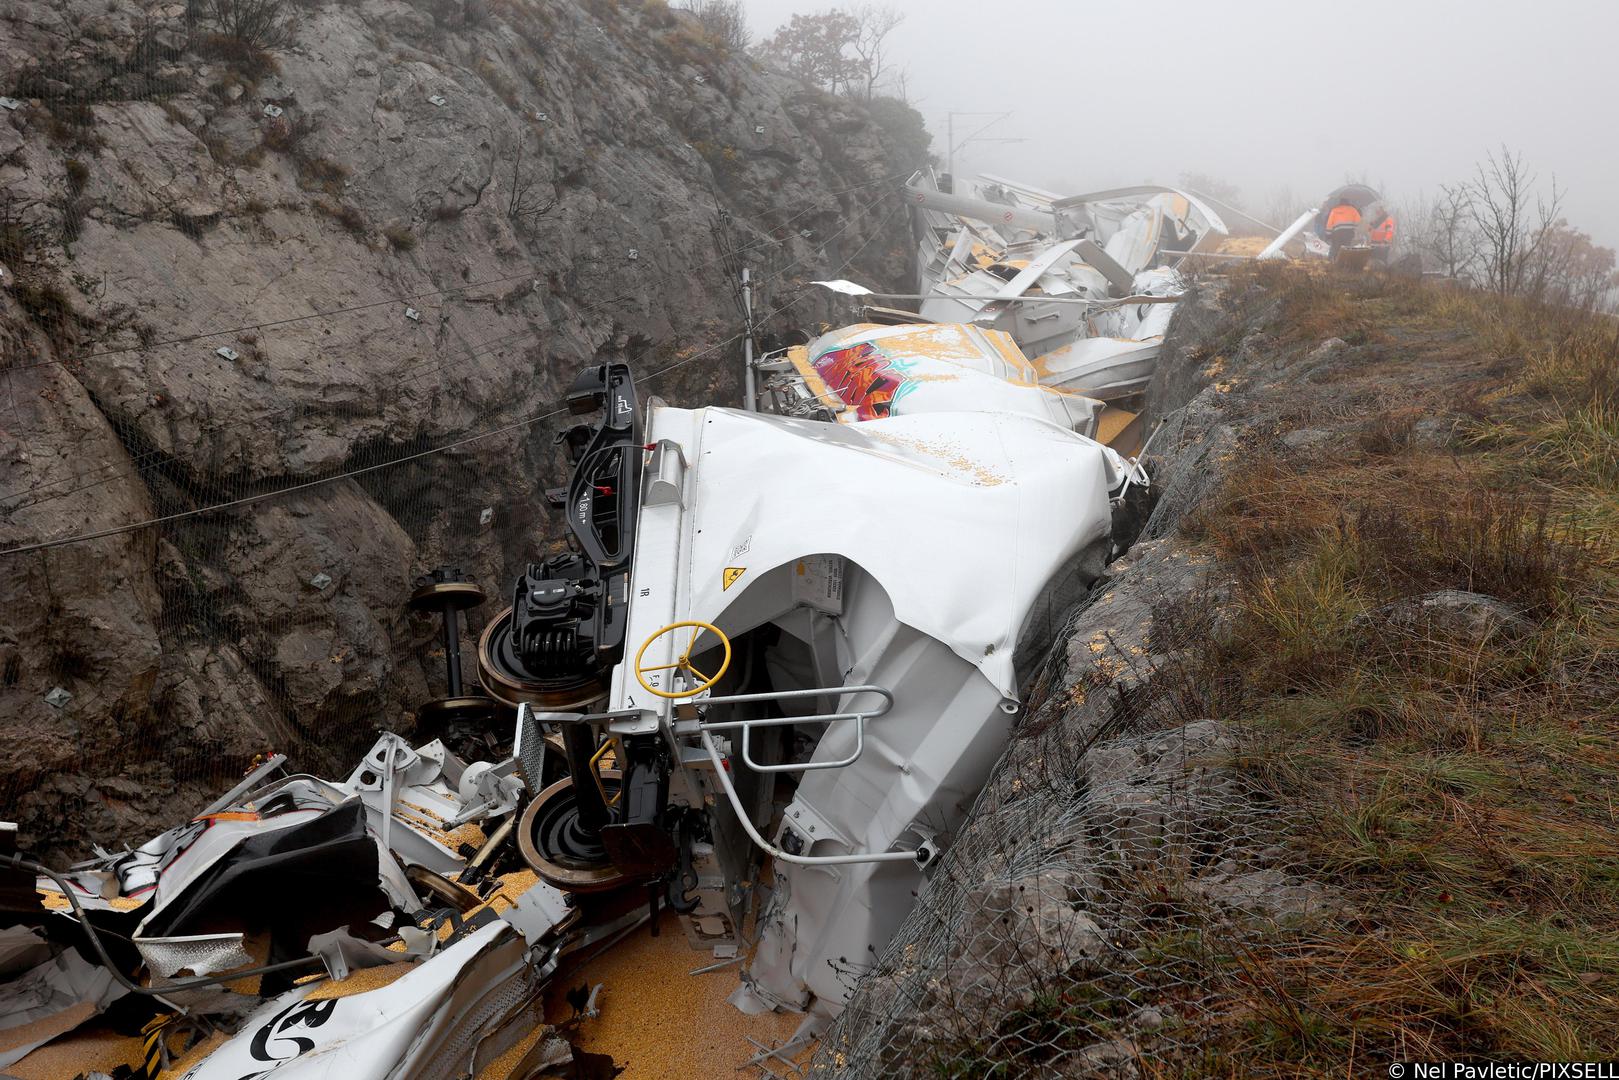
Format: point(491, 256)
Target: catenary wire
point(456, 444)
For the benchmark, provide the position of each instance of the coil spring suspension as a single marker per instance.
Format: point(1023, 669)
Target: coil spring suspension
point(551, 652)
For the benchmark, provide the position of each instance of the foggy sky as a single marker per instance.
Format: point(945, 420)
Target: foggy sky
point(1270, 93)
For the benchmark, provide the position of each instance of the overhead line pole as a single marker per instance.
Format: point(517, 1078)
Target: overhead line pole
point(976, 136)
point(750, 394)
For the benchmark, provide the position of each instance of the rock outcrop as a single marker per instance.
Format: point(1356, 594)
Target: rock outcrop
point(416, 220)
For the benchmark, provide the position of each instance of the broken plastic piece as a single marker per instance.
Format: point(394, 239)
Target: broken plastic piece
point(758, 129)
point(486, 515)
point(805, 233)
point(413, 315)
point(10, 103)
point(321, 580)
point(845, 286)
point(438, 99)
point(273, 111)
point(57, 697)
point(542, 117)
point(227, 352)
point(635, 253)
point(698, 79)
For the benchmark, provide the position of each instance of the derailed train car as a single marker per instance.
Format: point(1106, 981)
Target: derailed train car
point(809, 629)
point(1085, 284)
point(784, 646)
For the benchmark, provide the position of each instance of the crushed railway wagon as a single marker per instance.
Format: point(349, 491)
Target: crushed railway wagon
point(761, 689)
point(1085, 285)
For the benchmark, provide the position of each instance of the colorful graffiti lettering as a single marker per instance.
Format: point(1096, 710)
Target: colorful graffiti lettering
point(865, 379)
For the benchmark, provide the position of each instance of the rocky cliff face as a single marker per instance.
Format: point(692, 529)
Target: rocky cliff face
point(417, 220)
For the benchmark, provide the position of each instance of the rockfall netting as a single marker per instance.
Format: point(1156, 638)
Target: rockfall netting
point(1095, 914)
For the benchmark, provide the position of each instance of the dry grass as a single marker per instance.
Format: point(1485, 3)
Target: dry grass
point(345, 215)
point(399, 238)
point(1453, 787)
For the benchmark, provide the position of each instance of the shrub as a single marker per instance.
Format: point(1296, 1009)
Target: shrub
point(458, 14)
point(723, 21)
point(284, 136)
point(657, 13)
point(399, 238)
point(218, 148)
point(906, 137)
point(345, 215)
point(47, 303)
point(321, 173)
point(78, 174)
point(71, 124)
point(498, 81)
point(19, 241)
point(255, 25)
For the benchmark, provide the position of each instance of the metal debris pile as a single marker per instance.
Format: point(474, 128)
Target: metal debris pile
point(381, 921)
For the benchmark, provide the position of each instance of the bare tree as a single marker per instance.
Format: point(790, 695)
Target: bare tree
point(1282, 205)
point(1448, 237)
point(1512, 234)
point(873, 24)
point(256, 24)
point(724, 20)
point(526, 204)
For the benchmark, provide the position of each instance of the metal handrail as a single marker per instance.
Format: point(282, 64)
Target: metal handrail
point(809, 766)
point(788, 695)
point(747, 726)
point(776, 852)
point(705, 731)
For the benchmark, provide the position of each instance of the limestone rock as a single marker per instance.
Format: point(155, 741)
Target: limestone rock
point(1454, 612)
point(1018, 934)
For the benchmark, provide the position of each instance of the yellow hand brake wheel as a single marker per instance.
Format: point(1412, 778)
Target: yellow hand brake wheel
point(684, 662)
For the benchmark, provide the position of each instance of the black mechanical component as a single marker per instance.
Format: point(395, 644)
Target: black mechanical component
point(637, 839)
point(448, 591)
point(565, 628)
point(684, 879)
point(586, 836)
point(543, 649)
point(556, 645)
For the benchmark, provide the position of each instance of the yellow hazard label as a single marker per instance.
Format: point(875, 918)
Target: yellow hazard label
point(731, 574)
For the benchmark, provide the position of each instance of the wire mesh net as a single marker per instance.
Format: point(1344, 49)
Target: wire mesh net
point(1091, 916)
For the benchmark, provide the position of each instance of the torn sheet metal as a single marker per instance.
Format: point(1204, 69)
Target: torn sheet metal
point(863, 372)
point(829, 548)
point(445, 1017)
point(998, 254)
point(403, 985)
